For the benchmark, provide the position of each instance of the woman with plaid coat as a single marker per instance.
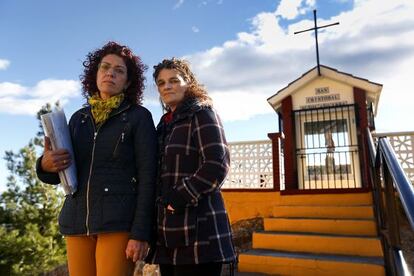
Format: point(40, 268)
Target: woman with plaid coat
point(193, 230)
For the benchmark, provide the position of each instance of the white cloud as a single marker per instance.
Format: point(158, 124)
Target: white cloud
point(290, 9)
point(178, 4)
point(373, 41)
point(237, 105)
point(8, 89)
point(18, 99)
point(396, 102)
point(4, 64)
point(195, 29)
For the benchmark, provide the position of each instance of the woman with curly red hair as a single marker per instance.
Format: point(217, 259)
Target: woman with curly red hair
point(107, 223)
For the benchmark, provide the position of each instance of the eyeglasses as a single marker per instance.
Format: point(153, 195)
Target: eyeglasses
point(117, 70)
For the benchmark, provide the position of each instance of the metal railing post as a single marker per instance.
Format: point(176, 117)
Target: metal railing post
point(392, 232)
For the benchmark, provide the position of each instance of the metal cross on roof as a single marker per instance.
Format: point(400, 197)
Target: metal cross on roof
point(316, 37)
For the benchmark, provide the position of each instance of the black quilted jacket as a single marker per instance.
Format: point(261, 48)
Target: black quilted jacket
point(116, 167)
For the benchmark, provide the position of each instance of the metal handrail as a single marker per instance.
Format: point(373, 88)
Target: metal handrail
point(400, 179)
point(388, 177)
point(371, 148)
point(403, 268)
point(402, 143)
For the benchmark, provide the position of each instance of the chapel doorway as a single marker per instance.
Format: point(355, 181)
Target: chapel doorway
point(327, 148)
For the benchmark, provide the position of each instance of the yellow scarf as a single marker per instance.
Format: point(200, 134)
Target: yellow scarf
point(101, 108)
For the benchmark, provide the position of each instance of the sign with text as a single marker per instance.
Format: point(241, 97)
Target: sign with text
point(323, 97)
point(322, 92)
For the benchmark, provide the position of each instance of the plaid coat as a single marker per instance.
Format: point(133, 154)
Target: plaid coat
point(194, 160)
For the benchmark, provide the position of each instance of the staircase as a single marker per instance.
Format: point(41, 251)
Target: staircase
point(329, 234)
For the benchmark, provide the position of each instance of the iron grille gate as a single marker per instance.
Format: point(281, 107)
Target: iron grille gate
point(327, 148)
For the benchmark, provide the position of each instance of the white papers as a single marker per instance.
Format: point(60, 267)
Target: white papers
point(56, 128)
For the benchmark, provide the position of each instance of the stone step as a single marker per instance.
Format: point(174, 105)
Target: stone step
point(357, 212)
point(269, 262)
point(361, 227)
point(318, 243)
point(349, 199)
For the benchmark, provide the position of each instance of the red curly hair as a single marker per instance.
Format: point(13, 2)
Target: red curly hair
point(135, 68)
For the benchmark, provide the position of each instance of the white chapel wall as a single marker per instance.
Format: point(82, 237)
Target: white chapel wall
point(322, 92)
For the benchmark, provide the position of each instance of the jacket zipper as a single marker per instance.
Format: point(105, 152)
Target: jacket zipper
point(117, 144)
point(120, 140)
point(95, 134)
point(89, 179)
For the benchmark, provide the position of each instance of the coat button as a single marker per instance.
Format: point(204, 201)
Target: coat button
point(193, 201)
point(106, 189)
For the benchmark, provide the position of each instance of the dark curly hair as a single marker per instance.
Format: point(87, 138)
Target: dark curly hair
point(135, 68)
point(195, 89)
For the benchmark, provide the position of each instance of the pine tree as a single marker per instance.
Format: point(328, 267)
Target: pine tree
point(30, 242)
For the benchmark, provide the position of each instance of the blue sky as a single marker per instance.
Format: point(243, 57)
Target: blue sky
point(242, 50)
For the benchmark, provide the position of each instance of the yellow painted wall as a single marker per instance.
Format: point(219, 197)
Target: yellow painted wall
point(246, 205)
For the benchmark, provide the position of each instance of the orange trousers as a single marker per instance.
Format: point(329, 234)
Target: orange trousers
point(98, 255)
